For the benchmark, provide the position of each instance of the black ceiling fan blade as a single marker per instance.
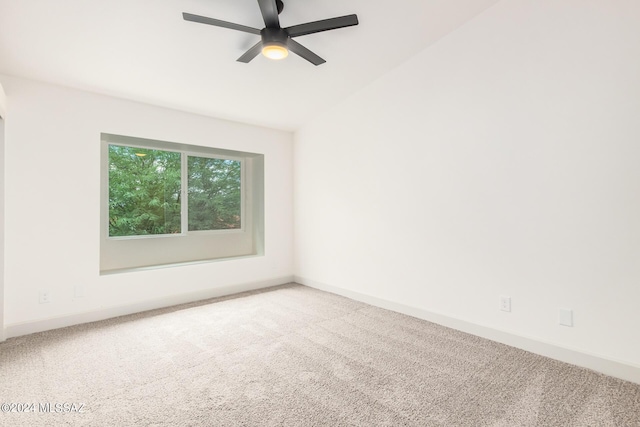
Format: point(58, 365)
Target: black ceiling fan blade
point(251, 53)
point(323, 25)
point(305, 53)
point(219, 23)
point(269, 11)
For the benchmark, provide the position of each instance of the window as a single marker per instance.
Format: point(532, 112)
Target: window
point(166, 203)
point(214, 193)
point(144, 191)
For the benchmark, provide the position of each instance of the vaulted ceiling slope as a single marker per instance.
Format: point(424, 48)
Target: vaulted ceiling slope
point(144, 51)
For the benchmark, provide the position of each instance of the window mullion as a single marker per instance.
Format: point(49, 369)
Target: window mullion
point(184, 207)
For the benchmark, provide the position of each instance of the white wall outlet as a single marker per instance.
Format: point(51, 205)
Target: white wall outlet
point(78, 291)
point(565, 317)
point(505, 303)
point(44, 297)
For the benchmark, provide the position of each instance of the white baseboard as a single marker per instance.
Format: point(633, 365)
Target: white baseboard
point(607, 366)
point(26, 328)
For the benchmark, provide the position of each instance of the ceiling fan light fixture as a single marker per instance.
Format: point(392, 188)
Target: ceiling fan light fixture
point(276, 41)
point(275, 50)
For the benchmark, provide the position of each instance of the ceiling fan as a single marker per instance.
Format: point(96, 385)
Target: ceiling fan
point(277, 41)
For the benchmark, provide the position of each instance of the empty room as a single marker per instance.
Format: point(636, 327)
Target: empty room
point(320, 213)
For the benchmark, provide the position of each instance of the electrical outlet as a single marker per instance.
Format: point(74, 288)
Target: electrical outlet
point(78, 291)
point(565, 317)
point(505, 303)
point(44, 297)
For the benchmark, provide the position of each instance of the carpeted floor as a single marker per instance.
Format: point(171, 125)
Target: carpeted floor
point(294, 356)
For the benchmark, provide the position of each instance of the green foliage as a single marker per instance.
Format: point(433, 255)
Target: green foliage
point(145, 188)
point(144, 191)
point(214, 193)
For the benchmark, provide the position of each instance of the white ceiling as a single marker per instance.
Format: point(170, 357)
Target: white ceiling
point(143, 50)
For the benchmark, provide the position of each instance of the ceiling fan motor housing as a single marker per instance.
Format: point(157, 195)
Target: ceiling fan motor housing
point(271, 36)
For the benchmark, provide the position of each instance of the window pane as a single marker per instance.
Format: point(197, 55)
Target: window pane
point(214, 193)
point(144, 191)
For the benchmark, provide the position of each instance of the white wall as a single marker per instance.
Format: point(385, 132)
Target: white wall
point(3, 102)
point(53, 207)
point(504, 160)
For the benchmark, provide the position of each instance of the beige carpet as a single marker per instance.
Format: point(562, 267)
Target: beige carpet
point(294, 356)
